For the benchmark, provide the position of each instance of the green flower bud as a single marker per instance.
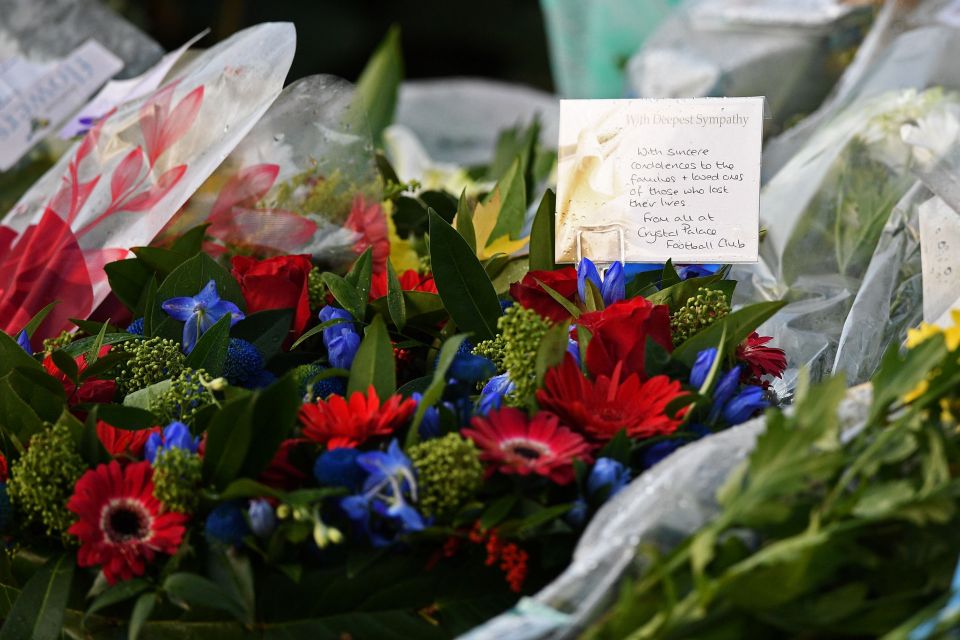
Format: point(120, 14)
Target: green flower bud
point(177, 474)
point(521, 331)
point(151, 361)
point(188, 393)
point(316, 290)
point(43, 478)
point(698, 313)
point(449, 473)
point(57, 342)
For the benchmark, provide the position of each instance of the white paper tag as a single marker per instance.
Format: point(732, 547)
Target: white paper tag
point(116, 92)
point(35, 109)
point(677, 179)
point(939, 257)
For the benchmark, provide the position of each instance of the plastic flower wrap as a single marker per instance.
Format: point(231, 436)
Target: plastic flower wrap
point(303, 180)
point(127, 177)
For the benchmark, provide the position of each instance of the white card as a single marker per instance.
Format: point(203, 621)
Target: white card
point(29, 115)
point(648, 180)
point(939, 257)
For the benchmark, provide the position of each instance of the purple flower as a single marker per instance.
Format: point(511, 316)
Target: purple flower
point(341, 339)
point(610, 474)
point(492, 394)
point(612, 287)
point(176, 435)
point(200, 312)
point(701, 367)
point(744, 405)
point(24, 341)
point(430, 424)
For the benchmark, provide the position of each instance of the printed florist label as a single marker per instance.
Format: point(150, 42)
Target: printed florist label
point(648, 180)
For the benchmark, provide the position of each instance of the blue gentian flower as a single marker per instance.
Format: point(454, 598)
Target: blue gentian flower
point(689, 271)
point(262, 518)
point(340, 339)
point(136, 327)
point(471, 369)
point(381, 510)
point(176, 435)
point(701, 367)
point(24, 341)
point(744, 405)
point(227, 524)
point(657, 452)
point(243, 364)
point(492, 394)
point(430, 424)
point(612, 287)
point(200, 312)
point(607, 472)
point(725, 389)
point(339, 468)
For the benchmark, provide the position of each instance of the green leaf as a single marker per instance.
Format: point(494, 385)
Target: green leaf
point(897, 375)
point(315, 330)
point(552, 349)
point(379, 83)
point(140, 614)
point(266, 330)
point(128, 281)
point(149, 304)
point(91, 449)
point(881, 500)
point(210, 352)
point(495, 265)
point(274, 416)
point(82, 345)
point(374, 364)
point(345, 294)
point(38, 319)
point(464, 287)
point(434, 391)
point(361, 273)
point(126, 417)
point(513, 203)
point(497, 511)
point(464, 222)
point(618, 448)
point(12, 355)
point(147, 398)
point(93, 327)
point(160, 261)
point(191, 242)
point(669, 276)
point(228, 439)
point(542, 234)
point(38, 612)
point(67, 365)
point(395, 303)
point(676, 296)
point(191, 590)
point(736, 326)
point(93, 354)
point(563, 302)
point(247, 488)
point(117, 593)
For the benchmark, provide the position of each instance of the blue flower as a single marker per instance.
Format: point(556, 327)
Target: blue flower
point(340, 339)
point(136, 327)
point(701, 367)
point(24, 341)
point(175, 436)
point(727, 386)
point(430, 424)
point(744, 405)
point(612, 287)
point(243, 364)
point(491, 397)
point(200, 312)
point(471, 369)
point(578, 513)
point(607, 473)
point(657, 452)
point(688, 271)
point(339, 468)
point(227, 524)
point(573, 348)
point(260, 380)
point(381, 510)
point(262, 518)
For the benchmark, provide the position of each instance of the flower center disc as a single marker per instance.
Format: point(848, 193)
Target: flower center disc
point(123, 521)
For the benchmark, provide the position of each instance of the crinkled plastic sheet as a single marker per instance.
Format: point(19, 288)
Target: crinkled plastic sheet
point(790, 51)
point(297, 182)
point(662, 508)
point(124, 181)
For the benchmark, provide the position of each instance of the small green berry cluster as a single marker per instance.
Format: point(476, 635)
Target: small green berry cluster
point(177, 474)
point(449, 473)
point(57, 342)
point(425, 268)
point(316, 290)
point(514, 350)
point(189, 392)
point(151, 361)
point(43, 478)
point(699, 312)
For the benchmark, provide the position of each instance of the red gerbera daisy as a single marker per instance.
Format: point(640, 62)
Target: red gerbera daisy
point(120, 442)
point(336, 423)
point(761, 360)
point(514, 444)
point(121, 526)
point(369, 220)
point(603, 407)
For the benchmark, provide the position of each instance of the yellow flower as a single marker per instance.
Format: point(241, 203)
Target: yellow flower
point(916, 392)
point(402, 254)
point(924, 332)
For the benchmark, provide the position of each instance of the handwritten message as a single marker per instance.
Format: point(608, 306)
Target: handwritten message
point(677, 179)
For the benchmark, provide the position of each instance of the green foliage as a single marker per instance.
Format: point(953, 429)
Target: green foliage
point(177, 474)
point(186, 396)
point(700, 311)
point(374, 364)
point(449, 473)
point(379, 83)
point(522, 331)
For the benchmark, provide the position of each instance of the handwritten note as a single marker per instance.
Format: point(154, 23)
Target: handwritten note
point(675, 179)
point(30, 112)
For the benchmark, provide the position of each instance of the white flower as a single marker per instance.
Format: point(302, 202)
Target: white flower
point(931, 136)
point(411, 162)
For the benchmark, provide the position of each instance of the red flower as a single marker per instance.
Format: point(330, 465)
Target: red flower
point(608, 405)
point(529, 294)
point(762, 360)
point(619, 334)
point(513, 444)
point(120, 524)
point(369, 220)
point(283, 473)
point(410, 280)
point(276, 283)
point(336, 423)
point(120, 442)
point(89, 390)
point(4, 474)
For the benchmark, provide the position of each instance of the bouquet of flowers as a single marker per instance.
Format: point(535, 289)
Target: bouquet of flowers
point(262, 447)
